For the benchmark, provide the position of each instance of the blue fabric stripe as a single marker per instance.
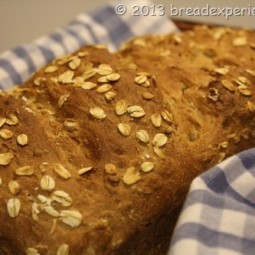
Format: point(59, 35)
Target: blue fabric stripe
point(248, 159)
point(212, 238)
point(57, 37)
point(47, 54)
point(78, 38)
point(218, 201)
point(217, 182)
point(114, 25)
point(7, 67)
point(89, 29)
point(24, 55)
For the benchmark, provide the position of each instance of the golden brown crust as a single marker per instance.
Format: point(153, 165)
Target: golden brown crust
point(108, 148)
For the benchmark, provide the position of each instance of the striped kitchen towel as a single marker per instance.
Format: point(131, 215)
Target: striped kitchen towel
point(101, 26)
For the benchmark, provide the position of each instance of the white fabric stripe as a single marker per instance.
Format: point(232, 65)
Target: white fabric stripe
point(48, 43)
point(190, 214)
point(198, 184)
point(98, 30)
point(230, 222)
point(233, 222)
point(70, 42)
point(82, 32)
point(184, 247)
point(7, 82)
point(193, 247)
point(36, 56)
point(244, 184)
point(19, 65)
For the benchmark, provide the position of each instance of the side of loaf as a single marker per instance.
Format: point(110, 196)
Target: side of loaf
point(97, 150)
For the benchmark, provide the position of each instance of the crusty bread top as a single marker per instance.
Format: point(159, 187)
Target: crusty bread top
point(96, 147)
point(96, 130)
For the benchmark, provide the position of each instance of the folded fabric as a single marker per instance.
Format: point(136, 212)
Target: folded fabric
point(219, 214)
point(101, 26)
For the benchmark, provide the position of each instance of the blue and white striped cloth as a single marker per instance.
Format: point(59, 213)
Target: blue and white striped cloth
point(219, 214)
point(101, 26)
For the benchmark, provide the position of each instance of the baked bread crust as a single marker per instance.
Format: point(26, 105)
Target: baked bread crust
point(75, 129)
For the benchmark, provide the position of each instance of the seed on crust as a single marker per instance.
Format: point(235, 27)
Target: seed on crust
point(62, 198)
point(110, 95)
point(14, 187)
point(88, 85)
point(110, 169)
point(222, 70)
point(35, 211)
point(244, 90)
point(89, 74)
point(131, 176)
point(6, 134)
point(44, 200)
point(104, 88)
point(251, 72)
point(39, 80)
point(2, 121)
point(244, 80)
point(47, 183)
point(156, 120)
point(51, 69)
point(32, 251)
point(104, 69)
point(74, 64)
point(113, 77)
point(12, 120)
point(143, 136)
point(167, 116)
point(251, 106)
point(6, 158)
point(159, 152)
point(51, 211)
point(159, 140)
point(85, 170)
point(13, 207)
point(63, 249)
point(71, 217)
point(71, 124)
point(121, 107)
point(240, 41)
point(124, 129)
point(82, 54)
point(136, 111)
point(224, 145)
point(228, 85)
point(148, 96)
point(62, 100)
point(140, 79)
point(66, 77)
point(25, 171)
point(97, 113)
point(147, 166)
point(22, 139)
point(62, 172)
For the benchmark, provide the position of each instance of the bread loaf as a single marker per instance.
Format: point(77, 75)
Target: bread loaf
point(97, 150)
